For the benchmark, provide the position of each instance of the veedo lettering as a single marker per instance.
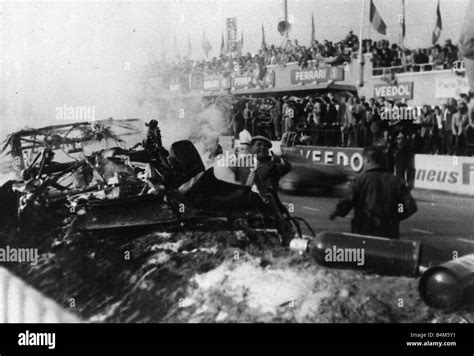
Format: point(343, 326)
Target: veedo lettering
point(354, 160)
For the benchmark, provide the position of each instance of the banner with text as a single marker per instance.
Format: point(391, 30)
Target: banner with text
point(246, 81)
point(322, 74)
point(350, 158)
point(454, 174)
point(394, 92)
point(215, 82)
point(451, 87)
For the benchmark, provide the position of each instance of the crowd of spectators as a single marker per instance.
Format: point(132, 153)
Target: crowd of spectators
point(386, 55)
point(383, 53)
point(346, 121)
point(290, 52)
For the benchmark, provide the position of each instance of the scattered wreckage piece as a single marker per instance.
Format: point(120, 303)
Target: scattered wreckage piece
point(119, 188)
point(68, 139)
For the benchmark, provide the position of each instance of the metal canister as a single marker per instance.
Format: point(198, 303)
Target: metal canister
point(299, 245)
point(449, 285)
point(383, 256)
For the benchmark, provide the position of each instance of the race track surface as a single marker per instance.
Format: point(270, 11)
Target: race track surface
point(443, 224)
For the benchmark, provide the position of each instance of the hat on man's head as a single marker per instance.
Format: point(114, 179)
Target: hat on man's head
point(245, 137)
point(400, 136)
point(152, 124)
point(265, 140)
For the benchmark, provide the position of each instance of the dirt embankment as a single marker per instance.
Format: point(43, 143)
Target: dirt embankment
point(213, 276)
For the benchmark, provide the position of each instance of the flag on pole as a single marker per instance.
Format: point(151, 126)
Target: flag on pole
point(438, 27)
point(206, 46)
point(264, 44)
point(222, 43)
point(313, 31)
point(377, 23)
point(403, 20)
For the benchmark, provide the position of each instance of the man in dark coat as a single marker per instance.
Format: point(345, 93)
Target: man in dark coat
point(405, 161)
point(380, 199)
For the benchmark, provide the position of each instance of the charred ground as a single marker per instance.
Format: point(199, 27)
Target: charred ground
point(212, 276)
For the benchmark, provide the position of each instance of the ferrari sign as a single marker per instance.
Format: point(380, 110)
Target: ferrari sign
point(322, 74)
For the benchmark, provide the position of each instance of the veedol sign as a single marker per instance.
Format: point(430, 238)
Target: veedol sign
point(399, 91)
point(346, 157)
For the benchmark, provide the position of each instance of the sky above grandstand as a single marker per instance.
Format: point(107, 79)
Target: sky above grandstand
point(92, 52)
point(333, 19)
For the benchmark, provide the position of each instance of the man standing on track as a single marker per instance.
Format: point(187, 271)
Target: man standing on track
point(380, 200)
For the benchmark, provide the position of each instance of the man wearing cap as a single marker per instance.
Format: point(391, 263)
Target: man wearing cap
point(244, 141)
point(153, 144)
point(264, 177)
point(153, 136)
point(234, 173)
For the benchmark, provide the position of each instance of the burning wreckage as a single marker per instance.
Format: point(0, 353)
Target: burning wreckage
point(148, 186)
point(116, 188)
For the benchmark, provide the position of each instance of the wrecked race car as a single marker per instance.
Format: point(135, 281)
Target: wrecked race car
point(117, 188)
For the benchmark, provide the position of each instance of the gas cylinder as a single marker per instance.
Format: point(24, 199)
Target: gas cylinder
point(449, 285)
point(383, 256)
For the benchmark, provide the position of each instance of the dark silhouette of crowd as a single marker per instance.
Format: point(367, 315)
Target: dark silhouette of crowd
point(385, 55)
point(348, 121)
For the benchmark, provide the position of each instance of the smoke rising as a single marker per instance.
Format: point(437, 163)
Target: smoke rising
point(75, 54)
point(92, 56)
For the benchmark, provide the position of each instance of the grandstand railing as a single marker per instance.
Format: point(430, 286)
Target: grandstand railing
point(410, 68)
point(20, 303)
point(323, 135)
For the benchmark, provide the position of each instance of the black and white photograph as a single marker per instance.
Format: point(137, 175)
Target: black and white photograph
point(206, 162)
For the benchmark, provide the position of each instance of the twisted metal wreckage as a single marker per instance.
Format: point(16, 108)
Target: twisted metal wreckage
point(115, 187)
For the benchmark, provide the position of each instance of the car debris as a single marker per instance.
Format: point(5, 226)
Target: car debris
point(116, 187)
